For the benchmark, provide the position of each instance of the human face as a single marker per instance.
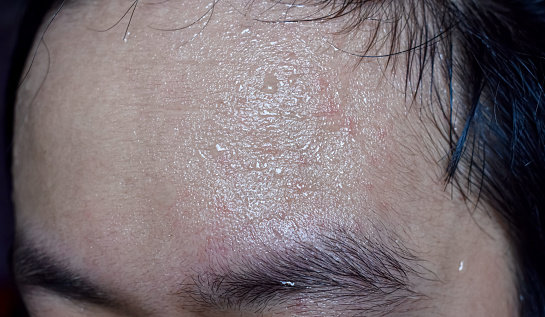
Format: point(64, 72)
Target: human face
point(236, 167)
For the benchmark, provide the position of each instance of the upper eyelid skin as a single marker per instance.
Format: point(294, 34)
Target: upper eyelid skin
point(40, 302)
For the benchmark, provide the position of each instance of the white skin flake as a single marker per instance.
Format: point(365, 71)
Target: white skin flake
point(219, 148)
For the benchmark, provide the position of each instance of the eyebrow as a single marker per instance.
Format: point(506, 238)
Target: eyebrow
point(35, 267)
point(338, 272)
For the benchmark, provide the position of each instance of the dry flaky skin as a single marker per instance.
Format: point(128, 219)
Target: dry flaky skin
point(143, 161)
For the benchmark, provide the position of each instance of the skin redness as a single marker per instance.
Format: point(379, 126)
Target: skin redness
point(210, 162)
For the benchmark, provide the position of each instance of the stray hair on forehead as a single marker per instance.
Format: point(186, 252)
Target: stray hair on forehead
point(477, 67)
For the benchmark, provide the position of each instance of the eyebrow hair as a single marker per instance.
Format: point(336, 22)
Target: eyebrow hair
point(338, 272)
point(35, 267)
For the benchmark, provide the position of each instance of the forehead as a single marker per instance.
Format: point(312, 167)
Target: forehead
point(201, 129)
point(230, 118)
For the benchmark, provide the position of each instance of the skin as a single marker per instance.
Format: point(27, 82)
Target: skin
point(141, 162)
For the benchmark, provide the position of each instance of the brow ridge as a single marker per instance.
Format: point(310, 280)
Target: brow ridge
point(35, 268)
point(372, 275)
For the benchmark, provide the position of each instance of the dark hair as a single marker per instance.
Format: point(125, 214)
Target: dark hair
point(490, 55)
point(500, 53)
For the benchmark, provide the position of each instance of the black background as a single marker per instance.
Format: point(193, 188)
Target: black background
point(11, 12)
